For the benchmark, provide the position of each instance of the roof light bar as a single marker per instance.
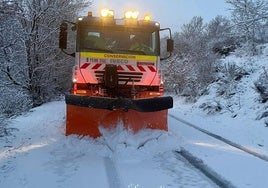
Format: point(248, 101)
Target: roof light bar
point(107, 13)
point(131, 14)
point(147, 18)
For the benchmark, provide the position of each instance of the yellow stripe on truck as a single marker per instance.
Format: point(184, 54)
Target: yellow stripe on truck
point(118, 56)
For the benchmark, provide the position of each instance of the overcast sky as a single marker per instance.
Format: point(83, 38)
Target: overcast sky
point(170, 13)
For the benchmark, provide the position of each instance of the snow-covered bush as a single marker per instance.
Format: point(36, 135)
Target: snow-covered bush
point(261, 86)
point(211, 107)
point(4, 129)
point(2, 126)
point(229, 74)
point(14, 101)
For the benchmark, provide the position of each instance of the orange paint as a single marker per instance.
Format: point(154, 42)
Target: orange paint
point(86, 121)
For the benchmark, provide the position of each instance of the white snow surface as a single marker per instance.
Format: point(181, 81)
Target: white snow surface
point(38, 154)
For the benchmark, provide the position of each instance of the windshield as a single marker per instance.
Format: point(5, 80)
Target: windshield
point(122, 40)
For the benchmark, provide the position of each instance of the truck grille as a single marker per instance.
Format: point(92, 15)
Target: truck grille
point(124, 77)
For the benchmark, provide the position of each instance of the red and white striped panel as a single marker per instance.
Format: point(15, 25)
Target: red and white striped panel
point(138, 68)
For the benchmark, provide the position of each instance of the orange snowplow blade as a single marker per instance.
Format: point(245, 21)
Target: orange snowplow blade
point(86, 121)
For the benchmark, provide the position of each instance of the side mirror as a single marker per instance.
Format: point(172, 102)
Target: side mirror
point(170, 45)
point(63, 35)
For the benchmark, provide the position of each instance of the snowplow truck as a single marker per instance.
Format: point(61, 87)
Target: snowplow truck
point(116, 76)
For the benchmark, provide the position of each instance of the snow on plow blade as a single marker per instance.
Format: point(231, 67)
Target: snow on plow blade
point(85, 114)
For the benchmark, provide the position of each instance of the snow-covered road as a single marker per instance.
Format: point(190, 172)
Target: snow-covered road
point(238, 167)
point(38, 154)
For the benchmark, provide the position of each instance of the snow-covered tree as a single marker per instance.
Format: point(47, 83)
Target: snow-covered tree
point(192, 67)
point(249, 17)
point(220, 37)
point(14, 96)
point(32, 67)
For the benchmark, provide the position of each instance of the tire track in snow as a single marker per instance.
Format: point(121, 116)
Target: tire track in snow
point(229, 142)
point(208, 172)
point(111, 172)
